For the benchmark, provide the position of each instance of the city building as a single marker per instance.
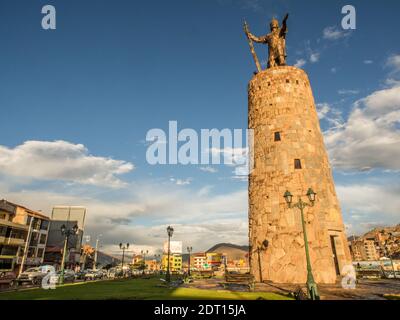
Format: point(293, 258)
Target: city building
point(376, 244)
point(214, 260)
point(198, 261)
point(137, 259)
point(152, 265)
point(69, 217)
point(234, 256)
point(175, 262)
point(23, 236)
point(364, 250)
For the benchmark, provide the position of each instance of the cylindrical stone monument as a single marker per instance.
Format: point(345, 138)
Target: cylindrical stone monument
point(289, 154)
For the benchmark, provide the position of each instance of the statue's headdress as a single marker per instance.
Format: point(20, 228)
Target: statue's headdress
point(274, 24)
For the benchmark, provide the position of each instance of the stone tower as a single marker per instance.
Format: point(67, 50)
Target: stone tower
point(289, 154)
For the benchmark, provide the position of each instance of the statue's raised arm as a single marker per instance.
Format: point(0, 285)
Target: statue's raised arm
point(284, 26)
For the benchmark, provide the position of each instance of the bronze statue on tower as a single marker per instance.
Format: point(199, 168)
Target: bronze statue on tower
point(276, 41)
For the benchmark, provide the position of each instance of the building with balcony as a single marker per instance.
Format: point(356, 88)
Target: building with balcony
point(364, 250)
point(199, 261)
point(23, 236)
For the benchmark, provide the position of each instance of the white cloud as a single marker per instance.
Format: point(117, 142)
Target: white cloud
point(141, 216)
point(371, 136)
point(181, 182)
point(330, 114)
point(300, 63)
point(347, 92)
point(333, 33)
point(390, 82)
point(368, 62)
point(333, 70)
point(322, 110)
point(208, 169)
point(314, 57)
point(61, 160)
point(365, 204)
point(394, 62)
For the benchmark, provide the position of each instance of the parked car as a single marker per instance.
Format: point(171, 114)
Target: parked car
point(7, 278)
point(93, 275)
point(69, 275)
point(114, 273)
point(80, 275)
point(32, 275)
point(104, 273)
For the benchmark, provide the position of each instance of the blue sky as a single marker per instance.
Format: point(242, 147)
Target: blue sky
point(91, 89)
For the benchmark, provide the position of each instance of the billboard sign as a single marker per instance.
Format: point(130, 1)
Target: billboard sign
point(175, 247)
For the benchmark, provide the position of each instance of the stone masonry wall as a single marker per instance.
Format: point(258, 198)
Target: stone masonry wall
point(281, 101)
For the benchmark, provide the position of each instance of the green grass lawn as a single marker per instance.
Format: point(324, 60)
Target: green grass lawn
point(140, 289)
point(392, 296)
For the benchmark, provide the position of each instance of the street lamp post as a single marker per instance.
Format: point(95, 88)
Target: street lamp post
point(95, 253)
point(189, 250)
point(123, 248)
point(144, 259)
point(66, 233)
point(311, 285)
point(388, 255)
point(170, 232)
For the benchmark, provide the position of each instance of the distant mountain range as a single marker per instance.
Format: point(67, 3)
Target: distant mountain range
point(232, 250)
point(371, 234)
point(219, 246)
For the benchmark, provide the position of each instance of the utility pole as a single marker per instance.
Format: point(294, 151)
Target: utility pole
point(95, 253)
point(189, 249)
point(28, 240)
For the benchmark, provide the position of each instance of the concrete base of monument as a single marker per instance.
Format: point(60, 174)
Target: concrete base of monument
point(290, 155)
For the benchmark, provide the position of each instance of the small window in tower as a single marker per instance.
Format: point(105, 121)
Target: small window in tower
point(269, 84)
point(297, 163)
point(277, 136)
point(287, 81)
point(297, 81)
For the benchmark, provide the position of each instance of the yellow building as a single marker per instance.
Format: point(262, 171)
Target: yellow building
point(175, 262)
point(214, 259)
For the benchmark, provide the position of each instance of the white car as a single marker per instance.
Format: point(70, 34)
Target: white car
point(34, 275)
